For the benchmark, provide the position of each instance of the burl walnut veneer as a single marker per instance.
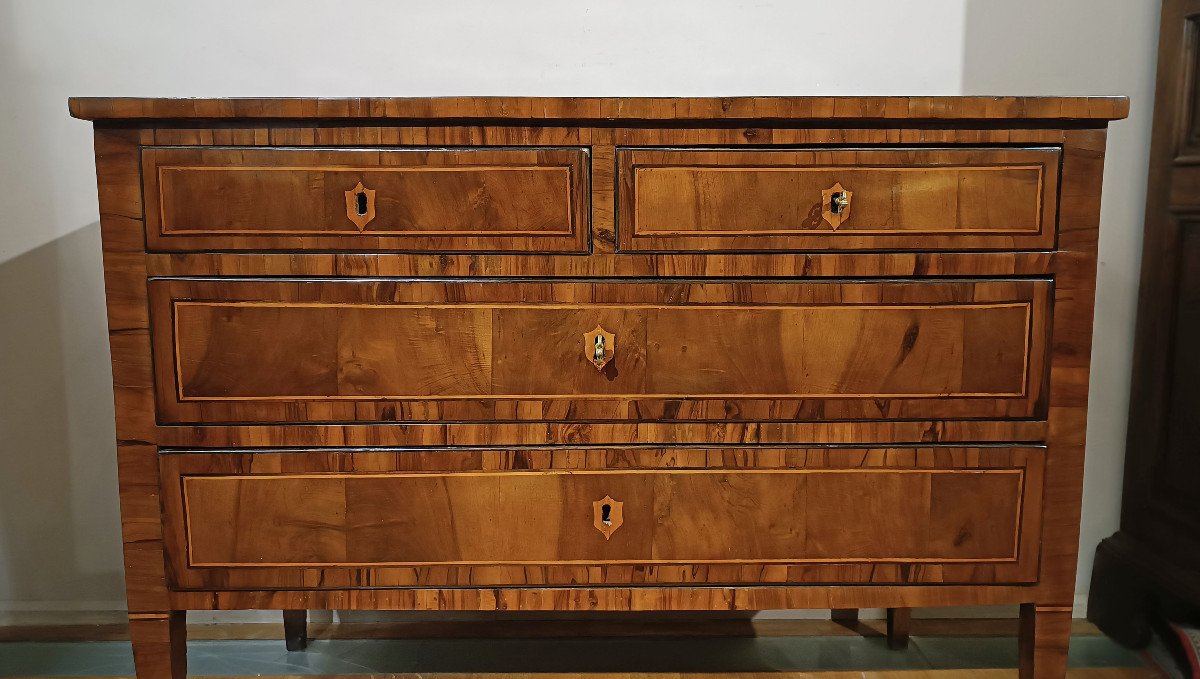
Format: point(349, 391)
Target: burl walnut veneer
point(600, 354)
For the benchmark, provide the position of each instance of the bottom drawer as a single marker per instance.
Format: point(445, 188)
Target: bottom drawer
point(565, 516)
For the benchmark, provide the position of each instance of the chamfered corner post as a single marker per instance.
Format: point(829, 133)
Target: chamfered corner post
point(1045, 634)
point(159, 644)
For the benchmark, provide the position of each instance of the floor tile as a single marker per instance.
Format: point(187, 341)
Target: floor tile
point(985, 652)
point(530, 656)
point(1101, 652)
point(967, 652)
point(844, 653)
point(76, 658)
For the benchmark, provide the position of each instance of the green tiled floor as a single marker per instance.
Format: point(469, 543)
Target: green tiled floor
point(553, 655)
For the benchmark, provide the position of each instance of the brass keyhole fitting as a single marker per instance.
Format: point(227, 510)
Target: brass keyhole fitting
point(599, 346)
point(607, 515)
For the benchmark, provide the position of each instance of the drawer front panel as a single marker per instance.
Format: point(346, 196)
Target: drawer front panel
point(251, 346)
point(931, 199)
point(837, 506)
point(445, 200)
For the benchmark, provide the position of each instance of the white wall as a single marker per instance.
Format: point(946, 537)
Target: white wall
point(1077, 48)
point(59, 545)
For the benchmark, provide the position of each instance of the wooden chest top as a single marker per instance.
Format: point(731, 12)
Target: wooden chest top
point(592, 109)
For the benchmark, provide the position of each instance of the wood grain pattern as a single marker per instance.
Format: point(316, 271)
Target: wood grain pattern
point(268, 200)
point(157, 631)
point(436, 434)
point(686, 597)
point(424, 199)
point(922, 199)
point(697, 516)
point(675, 511)
point(1079, 216)
point(159, 645)
point(915, 348)
point(1057, 279)
point(1042, 642)
point(477, 483)
point(581, 109)
point(482, 340)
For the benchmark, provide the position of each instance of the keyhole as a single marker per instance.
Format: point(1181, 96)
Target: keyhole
point(606, 514)
point(361, 198)
point(835, 203)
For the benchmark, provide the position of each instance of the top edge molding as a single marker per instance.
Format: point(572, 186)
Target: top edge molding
point(615, 109)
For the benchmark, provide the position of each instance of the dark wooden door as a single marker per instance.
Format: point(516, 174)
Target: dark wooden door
point(1150, 569)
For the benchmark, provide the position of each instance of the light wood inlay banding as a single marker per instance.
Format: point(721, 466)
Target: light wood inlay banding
point(981, 345)
point(269, 182)
point(482, 322)
point(957, 443)
point(537, 507)
point(929, 199)
point(445, 199)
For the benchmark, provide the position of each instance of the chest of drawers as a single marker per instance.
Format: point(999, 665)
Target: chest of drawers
point(599, 354)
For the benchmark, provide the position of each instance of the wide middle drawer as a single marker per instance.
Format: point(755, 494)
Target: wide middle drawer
point(230, 350)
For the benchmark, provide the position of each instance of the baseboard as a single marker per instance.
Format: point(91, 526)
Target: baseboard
point(13, 613)
point(18, 613)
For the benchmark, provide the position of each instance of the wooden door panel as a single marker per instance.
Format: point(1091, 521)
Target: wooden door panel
point(243, 346)
point(1150, 568)
point(1160, 516)
point(898, 199)
point(1178, 466)
point(783, 506)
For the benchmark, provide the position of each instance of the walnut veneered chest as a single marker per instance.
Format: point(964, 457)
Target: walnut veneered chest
point(600, 354)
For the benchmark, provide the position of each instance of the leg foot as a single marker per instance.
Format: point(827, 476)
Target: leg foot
point(1044, 637)
point(295, 630)
point(846, 617)
point(159, 644)
point(898, 623)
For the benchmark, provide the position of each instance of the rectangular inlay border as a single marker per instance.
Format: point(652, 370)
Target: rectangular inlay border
point(181, 394)
point(188, 479)
point(166, 230)
point(637, 170)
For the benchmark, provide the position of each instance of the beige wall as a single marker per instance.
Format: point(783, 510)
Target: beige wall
point(59, 545)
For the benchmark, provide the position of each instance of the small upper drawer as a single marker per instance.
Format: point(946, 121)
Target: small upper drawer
point(445, 200)
point(820, 199)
